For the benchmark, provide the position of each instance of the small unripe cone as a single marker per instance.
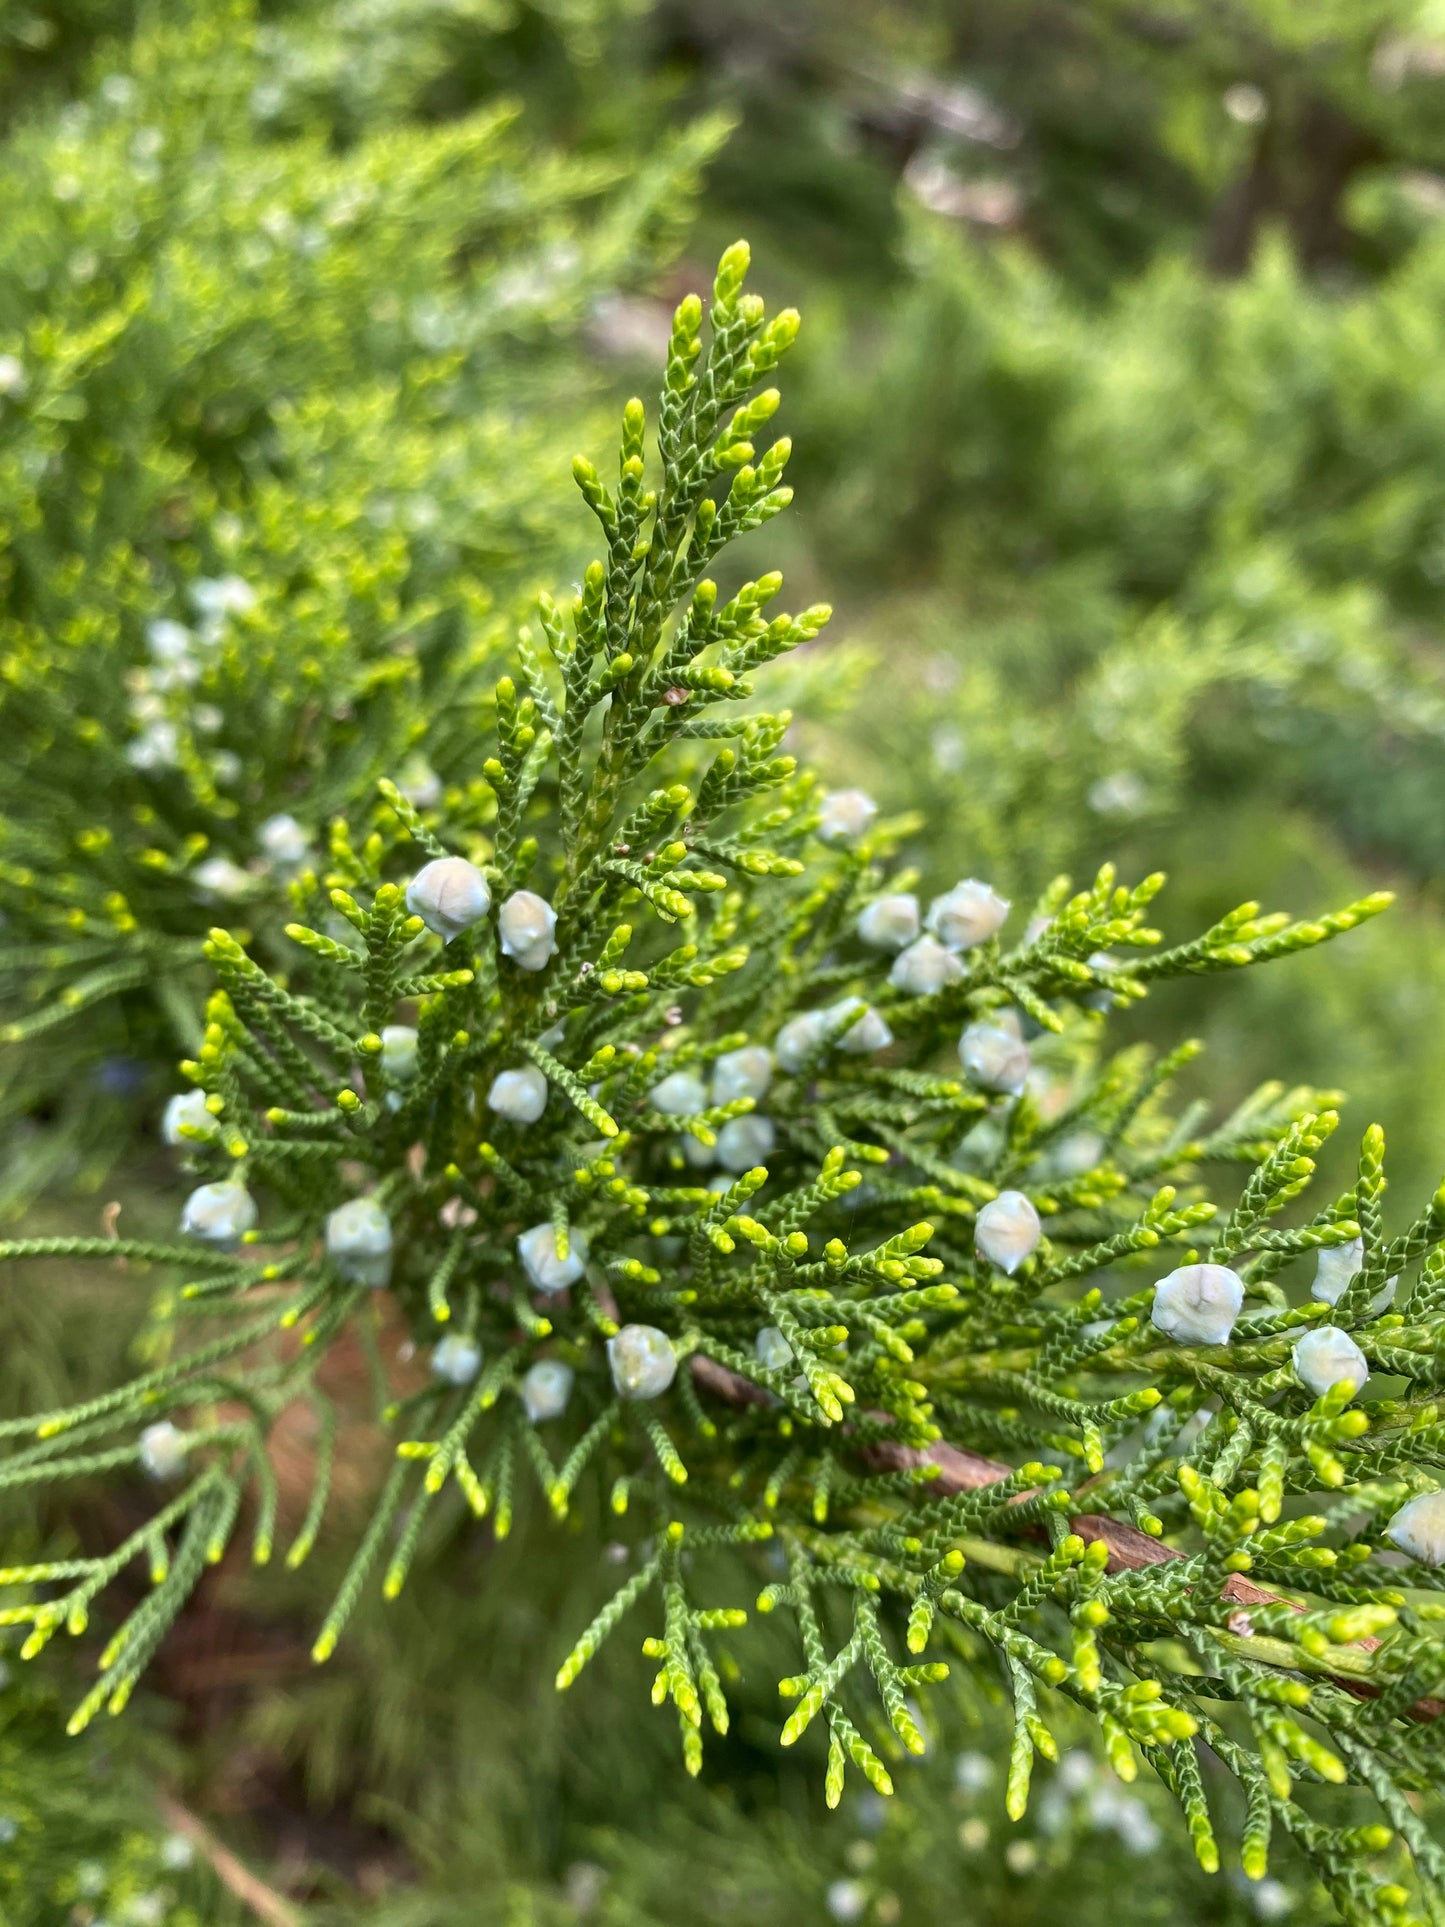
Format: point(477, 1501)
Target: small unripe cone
point(398, 1052)
point(971, 912)
point(186, 1107)
point(168, 641)
point(1326, 1355)
point(449, 895)
point(528, 926)
point(1080, 1151)
point(1336, 1266)
point(772, 1350)
point(745, 1141)
point(163, 1449)
point(1198, 1304)
point(683, 1094)
point(742, 1073)
point(219, 1214)
point(845, 815)
point(866, 1031)
point(1418, 1528)
point(284, 842)
point(420, 784)
point(158, 746)
point(846, 1900)
point(1104, 1000)
point(890, 922)
point(520, 1095)
point(799, 1039)
point(221, 881)
point(537, 1249)
point(995, 1057)
point(457, 1359)
point(222, 595)
point(1006, 1230)
point(925, 967)
point(546, 1389)
point(359, 1242)
point(642, 1360)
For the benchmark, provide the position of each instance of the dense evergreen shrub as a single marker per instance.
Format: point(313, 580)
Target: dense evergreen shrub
point(718, 1224)
point(275, 409)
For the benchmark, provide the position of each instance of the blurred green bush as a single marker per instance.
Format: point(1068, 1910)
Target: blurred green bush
point(277, 392)
point(1122, 445)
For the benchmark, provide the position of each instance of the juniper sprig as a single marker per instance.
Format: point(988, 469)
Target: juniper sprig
point(888, 1283)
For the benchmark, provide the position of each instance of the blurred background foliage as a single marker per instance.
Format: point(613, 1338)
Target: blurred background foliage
point(1121, 452)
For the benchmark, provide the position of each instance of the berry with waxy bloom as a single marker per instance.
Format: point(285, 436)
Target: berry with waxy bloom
point(163, 1449)
point(398, 1052)
point(546, 1389)
point(359, 1242)
point(219, 1214)
point(845, 815)
point(449, 895)
point(220, 880)
point(924, 967)
point(420, 784)
point(158, 746)
point(971, 912)
point(888, 923)
point(1336, 1266)
point(1198, 1304)
point(1326, 1355)
point(528, 927)
point(800, 1039)
point(682, 1094)
point(864, 1029)
point(457, 1359)
point(772, 1350)
point(1006, 1230)
point(168, 641)
point(1418, 1528)
point(519, 1095)
point(846, 1901)
point(995, 1057)
point(188, 1108)
point(742, 1073)
point(284, 841)
point(223, 595)
point(745, 1141)
point(537, 1249)
point(1103, 999)
point(1075, 1154)
point(1120, 793)
point(642, 1360)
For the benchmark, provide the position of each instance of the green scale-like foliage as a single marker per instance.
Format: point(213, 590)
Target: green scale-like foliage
point(274, 434)
point(1177, 1537)
point(81, 1839)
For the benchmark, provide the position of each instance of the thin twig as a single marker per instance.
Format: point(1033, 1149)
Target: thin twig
point(1129, 1549)
point(265, 1903)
